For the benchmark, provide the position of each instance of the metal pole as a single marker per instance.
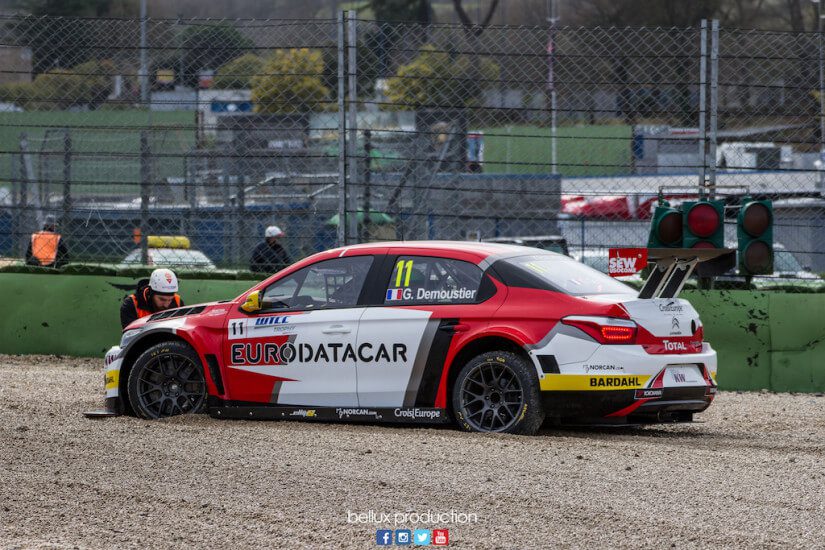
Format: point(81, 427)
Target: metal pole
point(16, 162)
point(67, 179)
point(144, 69)
point(352, 124)
point(714, 96)
point(26, 179)
point(181, 77)
point(703, 108)
point(551, 47)
point(365, 227)
point(821, 104)
point(342, 139)
point(144, 197)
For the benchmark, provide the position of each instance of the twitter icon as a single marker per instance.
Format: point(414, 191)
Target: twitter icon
point(422, 537)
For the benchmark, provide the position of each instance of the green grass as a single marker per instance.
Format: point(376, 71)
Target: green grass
point(100, 139)
point(581, 151)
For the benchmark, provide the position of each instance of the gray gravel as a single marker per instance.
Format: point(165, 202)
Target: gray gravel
point(751, 475)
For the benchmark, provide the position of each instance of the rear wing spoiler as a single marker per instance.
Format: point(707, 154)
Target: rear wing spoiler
point(672, 266)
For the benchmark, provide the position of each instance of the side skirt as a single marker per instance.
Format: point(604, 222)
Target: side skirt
point(392, 415)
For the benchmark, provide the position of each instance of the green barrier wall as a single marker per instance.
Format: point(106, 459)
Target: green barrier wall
point(78, 314)
point(765, 340)
point(772, 341)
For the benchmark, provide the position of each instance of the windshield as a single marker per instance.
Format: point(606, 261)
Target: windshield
point(569, 276)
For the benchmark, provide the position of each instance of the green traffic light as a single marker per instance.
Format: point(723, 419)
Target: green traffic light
point(754, 235)
point(665, 227)
point(704, 224)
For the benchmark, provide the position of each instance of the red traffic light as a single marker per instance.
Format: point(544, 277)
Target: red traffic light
point(670, 228)
point(758, 257)
point(756, 218)
point(703, 220)
point(703, 244)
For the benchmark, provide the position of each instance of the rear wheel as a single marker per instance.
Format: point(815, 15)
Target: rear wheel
point(498, 392)
point(167, 380)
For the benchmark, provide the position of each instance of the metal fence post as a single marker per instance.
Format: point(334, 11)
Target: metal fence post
point(342, 139)
point(15, 201)
point(364, 230)
point(67, 179)
point(352, 126)
point(145, 175)
point(26, 178)
point(703, 103)
point(240, 217)
point(714, 96)
point(821, 175)
point(144, 64)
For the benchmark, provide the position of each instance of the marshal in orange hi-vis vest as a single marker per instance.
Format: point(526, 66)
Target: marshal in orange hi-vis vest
point(144, 312)
point(44, 247)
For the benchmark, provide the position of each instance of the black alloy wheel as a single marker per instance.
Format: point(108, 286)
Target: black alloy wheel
point(167, 380)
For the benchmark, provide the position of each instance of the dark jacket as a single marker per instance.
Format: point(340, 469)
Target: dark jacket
point(139, 304)
point(268, 258)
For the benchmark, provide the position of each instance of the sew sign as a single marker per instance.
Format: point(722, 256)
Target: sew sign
point(626, 261)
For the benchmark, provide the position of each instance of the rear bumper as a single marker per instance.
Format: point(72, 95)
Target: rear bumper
point(626, 406)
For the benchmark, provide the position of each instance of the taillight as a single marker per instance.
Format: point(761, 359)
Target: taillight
point(605, 330)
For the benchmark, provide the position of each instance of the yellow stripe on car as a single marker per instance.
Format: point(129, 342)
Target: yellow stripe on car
point(587, 382)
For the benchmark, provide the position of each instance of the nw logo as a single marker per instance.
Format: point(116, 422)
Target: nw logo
point(679, 377)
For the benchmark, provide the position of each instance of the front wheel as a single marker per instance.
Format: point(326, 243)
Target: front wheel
point(167, 380)
point(498, 392)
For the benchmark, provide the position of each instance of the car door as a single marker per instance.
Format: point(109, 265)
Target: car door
point(300, 348)
point(431, 305)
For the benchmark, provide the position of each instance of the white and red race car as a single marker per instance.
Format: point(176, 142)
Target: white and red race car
point(498, 338)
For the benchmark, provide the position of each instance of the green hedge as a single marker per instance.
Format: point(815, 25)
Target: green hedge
point(137, 272)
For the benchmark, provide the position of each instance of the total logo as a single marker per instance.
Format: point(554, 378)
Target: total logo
point(674, 346)
point(407, 537)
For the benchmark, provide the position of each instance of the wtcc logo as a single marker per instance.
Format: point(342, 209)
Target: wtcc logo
point(268, 321)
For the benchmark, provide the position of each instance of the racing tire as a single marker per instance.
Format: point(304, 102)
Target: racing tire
point(167, 380)
point(498, 391)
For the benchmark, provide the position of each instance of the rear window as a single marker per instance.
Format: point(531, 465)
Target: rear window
point(563, 274)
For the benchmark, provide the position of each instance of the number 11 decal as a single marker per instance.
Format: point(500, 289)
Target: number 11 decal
point(400, 268)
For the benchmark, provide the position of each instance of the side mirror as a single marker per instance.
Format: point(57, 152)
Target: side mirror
point(253, 302)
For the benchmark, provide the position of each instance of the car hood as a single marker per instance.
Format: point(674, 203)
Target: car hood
point(188, 311)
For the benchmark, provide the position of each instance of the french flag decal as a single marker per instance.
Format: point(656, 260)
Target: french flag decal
point(394, 293)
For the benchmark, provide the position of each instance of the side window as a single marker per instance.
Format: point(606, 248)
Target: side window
point(430, 280)
point(327, 284)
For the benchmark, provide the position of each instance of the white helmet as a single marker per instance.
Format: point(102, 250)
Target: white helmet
point(163, 281)
point(273, 231)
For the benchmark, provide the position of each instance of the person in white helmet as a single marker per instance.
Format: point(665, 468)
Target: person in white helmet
point(269, 256)
point(157, 293)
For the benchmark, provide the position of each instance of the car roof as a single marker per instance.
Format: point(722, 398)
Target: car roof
point(483, 249)
point(524, 238)
point(480, 252)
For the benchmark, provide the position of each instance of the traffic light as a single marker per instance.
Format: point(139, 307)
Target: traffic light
point(754, 233)
point(665, 227)
point(703, 224)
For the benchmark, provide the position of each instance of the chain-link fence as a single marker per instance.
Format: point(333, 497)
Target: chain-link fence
point(343, 131)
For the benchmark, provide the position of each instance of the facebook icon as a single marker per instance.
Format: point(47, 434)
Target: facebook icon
point(383, 537)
